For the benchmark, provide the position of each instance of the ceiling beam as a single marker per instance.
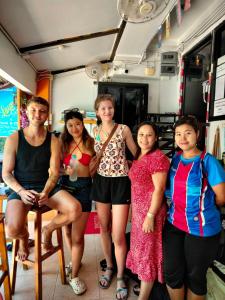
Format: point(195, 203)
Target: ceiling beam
point(69, 40)
point(118, 38)
point(76, 68)
point(120, 31)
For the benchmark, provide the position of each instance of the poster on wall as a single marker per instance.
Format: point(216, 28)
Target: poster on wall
point(219, 100)
point(8, 111)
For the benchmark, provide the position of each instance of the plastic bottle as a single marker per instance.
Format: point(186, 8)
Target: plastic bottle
point(73, 165)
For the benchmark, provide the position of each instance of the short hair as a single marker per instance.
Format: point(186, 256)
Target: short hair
point(188, 120)
point(39, 100)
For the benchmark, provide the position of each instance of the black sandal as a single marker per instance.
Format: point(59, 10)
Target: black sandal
point(136, 289)
point(107, 278)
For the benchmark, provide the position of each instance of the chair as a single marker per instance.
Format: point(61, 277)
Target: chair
point(38, 256)
point(4, 278)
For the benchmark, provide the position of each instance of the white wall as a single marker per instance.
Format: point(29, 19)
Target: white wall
point(75, 89)
point(12, 64)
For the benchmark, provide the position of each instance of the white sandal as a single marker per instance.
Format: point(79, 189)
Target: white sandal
point(78, 285)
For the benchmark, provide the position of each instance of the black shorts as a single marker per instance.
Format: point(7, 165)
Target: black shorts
point(36, 187)
point(187, 258)
point(113, 190)
point(80, 189)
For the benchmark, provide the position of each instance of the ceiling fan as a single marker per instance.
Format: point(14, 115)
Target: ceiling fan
point(139, 11)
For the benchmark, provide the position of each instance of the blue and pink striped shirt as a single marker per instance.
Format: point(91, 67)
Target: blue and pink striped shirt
point(193, 208)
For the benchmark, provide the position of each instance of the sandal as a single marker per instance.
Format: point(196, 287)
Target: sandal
point(106, 278)
point(122, 291)
point(78, 286)
point(136, 289)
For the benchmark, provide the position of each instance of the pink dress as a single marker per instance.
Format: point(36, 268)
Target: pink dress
point(145, 256)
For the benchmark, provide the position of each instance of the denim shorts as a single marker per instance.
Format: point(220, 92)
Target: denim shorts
point(80, 189)
point(38, 187)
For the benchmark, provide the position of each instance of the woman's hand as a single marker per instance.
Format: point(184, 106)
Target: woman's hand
point(68, 170)
point(148, 225)
point(42, 198)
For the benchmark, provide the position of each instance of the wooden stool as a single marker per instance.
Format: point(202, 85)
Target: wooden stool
point(38, 257)
point(4, 260)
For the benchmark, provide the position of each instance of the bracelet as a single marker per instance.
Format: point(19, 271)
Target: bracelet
point(150, 215)
point(19, 190)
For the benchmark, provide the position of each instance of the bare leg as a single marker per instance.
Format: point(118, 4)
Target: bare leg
point(192, 296)
point(176, 294)
point(145, 290)
point(78, 229)
point(16, 227)
point(104, 215)
point(119, 223)
point(69, 211)
point(68, 236)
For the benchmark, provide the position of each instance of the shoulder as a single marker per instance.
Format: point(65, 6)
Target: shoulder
point(159, 155)
point(210, 162)
point(158, 161)
point(214, 169)
point(13, 138)
point(54, 141)
point(95, 130)
point(124, 129)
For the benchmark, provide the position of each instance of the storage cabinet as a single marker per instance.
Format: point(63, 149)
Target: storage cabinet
point(165, 124)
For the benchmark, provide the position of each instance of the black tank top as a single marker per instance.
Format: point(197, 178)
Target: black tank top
point(32, 162)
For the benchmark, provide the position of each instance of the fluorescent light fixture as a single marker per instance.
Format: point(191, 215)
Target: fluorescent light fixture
point(14, 82)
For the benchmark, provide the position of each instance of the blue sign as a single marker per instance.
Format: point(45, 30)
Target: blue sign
point(8, 111)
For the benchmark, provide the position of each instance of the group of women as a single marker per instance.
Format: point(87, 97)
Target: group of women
point(176, 248)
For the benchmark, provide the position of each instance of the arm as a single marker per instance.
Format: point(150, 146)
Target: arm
point(219, 191)
point(53, 171)
point(130, 141)
point(9, 162)
point(159, 182)
point(9, 158)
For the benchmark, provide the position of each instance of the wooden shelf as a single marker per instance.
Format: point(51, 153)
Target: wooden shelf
point(86, 121)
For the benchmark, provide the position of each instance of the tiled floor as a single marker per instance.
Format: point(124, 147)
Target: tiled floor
point(52, 287)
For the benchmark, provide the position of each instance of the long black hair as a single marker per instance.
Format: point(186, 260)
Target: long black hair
point(156, 144)
point(67, 138)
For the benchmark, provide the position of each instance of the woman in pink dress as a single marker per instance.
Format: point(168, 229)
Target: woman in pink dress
point(148, 176)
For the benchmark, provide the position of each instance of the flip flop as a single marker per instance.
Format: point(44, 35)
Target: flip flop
point(123, 291)
point(107, 278)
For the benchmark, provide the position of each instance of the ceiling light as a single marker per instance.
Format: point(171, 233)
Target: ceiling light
point(61, 47)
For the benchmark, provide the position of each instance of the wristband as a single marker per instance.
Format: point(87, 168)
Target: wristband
point(150, 215)
point(19, 190)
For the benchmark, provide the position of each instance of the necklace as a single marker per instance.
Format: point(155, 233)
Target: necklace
point(106, 133)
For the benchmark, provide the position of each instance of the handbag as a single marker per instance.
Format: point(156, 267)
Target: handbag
point(95, 161)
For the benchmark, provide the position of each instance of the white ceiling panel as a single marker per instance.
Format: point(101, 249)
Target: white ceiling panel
point(74, 54)
point(37, 21)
